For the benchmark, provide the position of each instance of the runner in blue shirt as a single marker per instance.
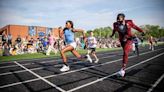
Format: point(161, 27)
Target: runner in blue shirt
point(68, 35)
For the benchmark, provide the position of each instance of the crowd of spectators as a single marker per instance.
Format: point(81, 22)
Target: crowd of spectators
point(45, 44)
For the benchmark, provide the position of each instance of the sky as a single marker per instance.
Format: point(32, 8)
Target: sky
point(86, 14)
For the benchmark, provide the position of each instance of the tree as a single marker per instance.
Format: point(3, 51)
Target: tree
point(153, 30)
point(105, 32)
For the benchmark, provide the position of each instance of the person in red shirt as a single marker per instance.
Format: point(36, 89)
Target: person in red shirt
point(123, 27)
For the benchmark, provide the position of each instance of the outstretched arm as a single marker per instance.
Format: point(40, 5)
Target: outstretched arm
point(136, 27)
point(80, 30)
point(61, 32)
point(114, 30)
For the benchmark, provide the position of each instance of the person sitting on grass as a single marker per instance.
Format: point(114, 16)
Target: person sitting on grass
point(6, 50)
point(0, 46)
point(14, 51)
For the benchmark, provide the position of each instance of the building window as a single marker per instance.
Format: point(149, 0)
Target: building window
point(41, 34)
point(48, 31)
point(32, 30)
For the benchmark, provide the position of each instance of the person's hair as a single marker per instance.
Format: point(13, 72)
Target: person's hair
point(90, 32)
point(59, 28)
point(120, 14)
point(72, 26)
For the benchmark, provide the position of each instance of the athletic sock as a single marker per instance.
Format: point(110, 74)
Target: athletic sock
point(82, 57)
point(65, 64)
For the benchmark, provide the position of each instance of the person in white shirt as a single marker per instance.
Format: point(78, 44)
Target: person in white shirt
point(91, 44)
point(135, 44)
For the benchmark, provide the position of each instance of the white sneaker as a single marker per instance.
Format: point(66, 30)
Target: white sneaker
point(65, 68)
point(89, 58)
point(152, 48)
point(121, 73)
point(97, 61)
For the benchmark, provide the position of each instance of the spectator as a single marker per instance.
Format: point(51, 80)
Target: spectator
point(51, 42)
point(9, 39)
point(13, 51)
point(0, 45)
point(4, 38)
point(45, 44)
point(6, 50)
point(18, 40)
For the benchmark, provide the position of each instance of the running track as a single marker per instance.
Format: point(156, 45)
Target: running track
point(143, 74)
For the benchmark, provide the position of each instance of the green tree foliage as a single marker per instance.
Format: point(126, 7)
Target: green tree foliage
point(153, 30)
point(105, 32)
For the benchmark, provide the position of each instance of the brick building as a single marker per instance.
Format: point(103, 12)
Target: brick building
point(28, 31)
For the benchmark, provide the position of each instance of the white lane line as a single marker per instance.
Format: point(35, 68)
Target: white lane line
point(6, 73)
point(48, 82)
point(12, 66)
point(99, 53)
point(20, 71)
point(156, 83)
point(85, 68)
point(38, 68)
point(101, 79)
point(9, 66)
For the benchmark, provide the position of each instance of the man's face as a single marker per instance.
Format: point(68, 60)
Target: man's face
point(121, 18)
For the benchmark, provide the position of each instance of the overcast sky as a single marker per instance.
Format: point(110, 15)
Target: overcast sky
point(86, 14)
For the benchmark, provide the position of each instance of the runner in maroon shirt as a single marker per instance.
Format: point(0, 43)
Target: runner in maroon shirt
point(123, 27)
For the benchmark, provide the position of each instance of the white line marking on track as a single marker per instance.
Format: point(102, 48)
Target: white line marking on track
point(156, 83)
point(48, 82)
point(38, 68)
point(9, 66)
point(101, 79)
point(6, 73)
point(99, 53)
point(50, 76)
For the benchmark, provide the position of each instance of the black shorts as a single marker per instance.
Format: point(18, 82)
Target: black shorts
point(92, 49)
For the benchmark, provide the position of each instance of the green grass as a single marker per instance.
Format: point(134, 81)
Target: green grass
point(0, 52)
point(41, 55)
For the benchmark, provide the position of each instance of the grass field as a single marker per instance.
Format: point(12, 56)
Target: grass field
point(41, 55)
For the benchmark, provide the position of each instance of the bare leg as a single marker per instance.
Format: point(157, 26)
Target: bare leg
point(67, 48)
point(94, 54)
point(75, 53)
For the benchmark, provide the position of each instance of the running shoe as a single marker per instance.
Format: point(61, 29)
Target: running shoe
point(152, 48)
point(121, 73)
point(97, 61)
point(65, 68)
point(89, 58)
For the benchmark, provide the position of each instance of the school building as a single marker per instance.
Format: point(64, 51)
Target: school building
point(28, 31)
